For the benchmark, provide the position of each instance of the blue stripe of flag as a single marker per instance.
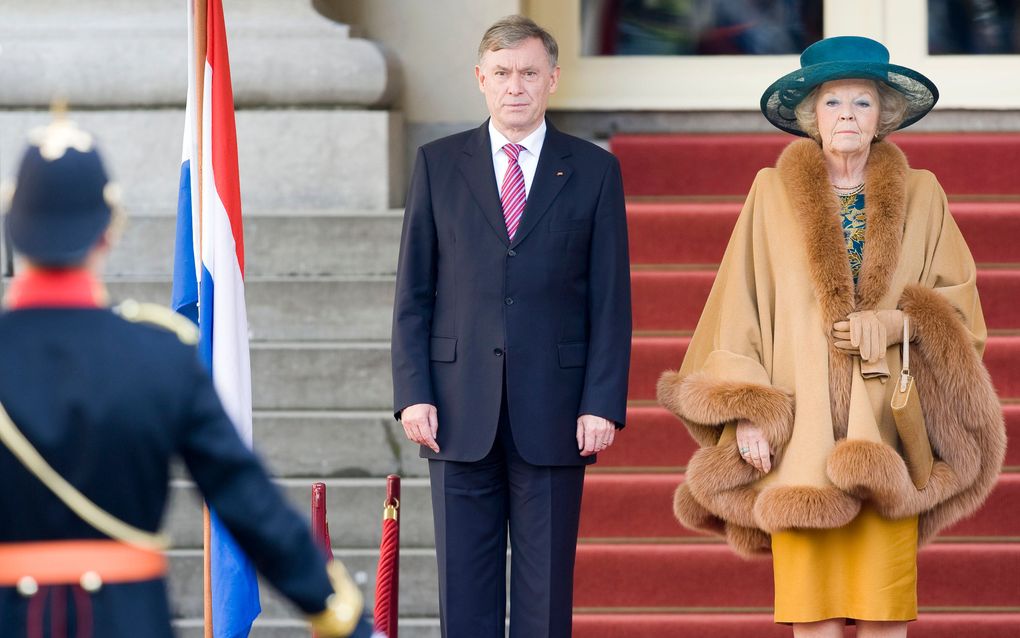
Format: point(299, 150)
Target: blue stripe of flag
point(184, 297)
point(235, 590)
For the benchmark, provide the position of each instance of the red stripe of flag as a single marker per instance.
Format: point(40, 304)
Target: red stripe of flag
point(224, 133)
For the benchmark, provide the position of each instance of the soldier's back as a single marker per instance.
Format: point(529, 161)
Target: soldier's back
point(105, 401)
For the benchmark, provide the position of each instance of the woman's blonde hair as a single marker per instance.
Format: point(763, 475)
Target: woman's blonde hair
point(892, 111)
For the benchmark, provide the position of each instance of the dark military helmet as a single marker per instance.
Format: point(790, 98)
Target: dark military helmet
point(61, 203)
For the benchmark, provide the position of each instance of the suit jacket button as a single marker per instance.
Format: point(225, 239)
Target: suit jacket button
point(509, 301)
point(498, 352)
point(511, 252)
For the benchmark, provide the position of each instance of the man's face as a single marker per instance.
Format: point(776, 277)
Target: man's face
point(517, 83)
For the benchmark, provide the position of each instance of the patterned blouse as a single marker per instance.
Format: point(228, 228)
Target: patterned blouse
point(854, 223)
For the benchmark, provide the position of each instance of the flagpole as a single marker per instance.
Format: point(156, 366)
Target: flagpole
point(201, 48)
point(201, 44)
point(206, 572)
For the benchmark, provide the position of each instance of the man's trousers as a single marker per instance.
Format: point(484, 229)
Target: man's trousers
point(474, 505)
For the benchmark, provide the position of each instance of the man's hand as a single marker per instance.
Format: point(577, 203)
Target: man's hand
point(594, 434)
point(421, 423)
point(869, 333)
point(753, 447)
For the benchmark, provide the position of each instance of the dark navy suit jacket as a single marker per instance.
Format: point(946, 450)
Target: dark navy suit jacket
point(108, 403)
point(551, 307)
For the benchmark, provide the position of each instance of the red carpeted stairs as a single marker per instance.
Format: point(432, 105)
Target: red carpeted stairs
point(639, 574)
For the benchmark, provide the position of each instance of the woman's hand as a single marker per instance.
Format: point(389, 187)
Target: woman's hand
point(753, 447)
point(869, 333)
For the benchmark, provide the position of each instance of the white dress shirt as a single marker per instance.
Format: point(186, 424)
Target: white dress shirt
point(528, 159)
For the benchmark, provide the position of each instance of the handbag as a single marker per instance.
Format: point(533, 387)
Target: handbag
point(906, 410)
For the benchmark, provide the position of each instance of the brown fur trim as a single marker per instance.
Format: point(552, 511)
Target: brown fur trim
point(885, 201)
point(796, 506)
point(723, 483)
point(703, 402)
point(668, 392)
point(802, 169)
point(876, 472)
point(962, 412)
point(693, 515)
point(748, 542)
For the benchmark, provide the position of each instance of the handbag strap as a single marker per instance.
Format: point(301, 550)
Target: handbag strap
point(905, 374)
point(77, 502)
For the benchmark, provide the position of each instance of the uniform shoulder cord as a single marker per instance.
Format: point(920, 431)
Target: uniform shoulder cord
point(78, 503)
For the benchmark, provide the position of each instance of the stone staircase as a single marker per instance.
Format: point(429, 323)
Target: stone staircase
point(322, 174)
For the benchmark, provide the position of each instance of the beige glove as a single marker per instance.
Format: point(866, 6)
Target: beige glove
point(869, 333)
point(343, 607)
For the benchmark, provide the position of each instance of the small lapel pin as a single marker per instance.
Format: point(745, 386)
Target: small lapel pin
point(559, 173)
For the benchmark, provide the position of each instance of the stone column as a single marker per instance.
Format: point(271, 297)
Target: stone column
point(124, 53)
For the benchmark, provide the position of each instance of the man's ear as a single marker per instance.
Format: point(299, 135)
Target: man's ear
point(480, 76)
point(115, 230)
point(554, 80)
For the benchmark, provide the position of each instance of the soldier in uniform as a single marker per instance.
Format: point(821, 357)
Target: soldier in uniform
point(94, 406)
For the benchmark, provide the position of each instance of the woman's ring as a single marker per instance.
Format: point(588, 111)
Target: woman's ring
point(745, 450)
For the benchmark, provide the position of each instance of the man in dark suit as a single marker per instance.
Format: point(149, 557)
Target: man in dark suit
point(511, 340)
point(93, 406)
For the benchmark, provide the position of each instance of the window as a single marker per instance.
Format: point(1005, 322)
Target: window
point(699, 27)
point(973, 27)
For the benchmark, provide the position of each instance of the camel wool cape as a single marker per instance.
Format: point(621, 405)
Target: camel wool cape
point(763, 351)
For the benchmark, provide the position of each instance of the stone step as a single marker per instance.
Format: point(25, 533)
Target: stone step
point(296, 309)
point(417, 594)
point(407, 627)
point(321, 376)
point(293, 243)
point(353, 506)
point(349, 376)
point(287, 158)
point(307, 444)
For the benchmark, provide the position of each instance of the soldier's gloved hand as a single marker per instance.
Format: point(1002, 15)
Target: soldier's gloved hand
point(869, 333)
point(342, 617)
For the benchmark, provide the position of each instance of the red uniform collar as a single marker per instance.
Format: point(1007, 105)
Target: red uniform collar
point(74, 288)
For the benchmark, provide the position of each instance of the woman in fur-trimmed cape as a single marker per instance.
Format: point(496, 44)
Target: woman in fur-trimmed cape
point(786, 382)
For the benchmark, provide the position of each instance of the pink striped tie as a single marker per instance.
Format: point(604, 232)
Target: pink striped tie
point(512, 194)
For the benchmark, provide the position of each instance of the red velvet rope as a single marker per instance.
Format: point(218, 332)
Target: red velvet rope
point(386, 581)
point(320, 524)
point(388, 574)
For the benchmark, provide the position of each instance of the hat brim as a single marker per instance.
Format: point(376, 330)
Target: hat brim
point(56, 241)
point(780, 100)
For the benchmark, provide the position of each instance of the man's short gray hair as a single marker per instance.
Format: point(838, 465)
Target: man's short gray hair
point(511, 31)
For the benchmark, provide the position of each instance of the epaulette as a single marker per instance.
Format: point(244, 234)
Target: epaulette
point(157, 315)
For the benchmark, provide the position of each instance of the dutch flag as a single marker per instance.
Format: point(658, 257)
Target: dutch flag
point(209, 280)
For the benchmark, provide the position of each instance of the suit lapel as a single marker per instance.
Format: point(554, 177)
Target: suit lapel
point(552, 173)
point(476, 167)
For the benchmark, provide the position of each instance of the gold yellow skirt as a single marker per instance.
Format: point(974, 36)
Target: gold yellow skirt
point(866, 570)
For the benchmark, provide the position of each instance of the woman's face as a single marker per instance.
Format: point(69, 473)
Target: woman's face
point(848, 113)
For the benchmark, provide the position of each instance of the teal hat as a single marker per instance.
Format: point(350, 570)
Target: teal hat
point(840, 58)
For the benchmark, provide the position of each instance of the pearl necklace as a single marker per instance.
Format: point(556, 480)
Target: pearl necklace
point(848, 192)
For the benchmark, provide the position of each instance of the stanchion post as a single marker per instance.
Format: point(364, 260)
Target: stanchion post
point(387, 582)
